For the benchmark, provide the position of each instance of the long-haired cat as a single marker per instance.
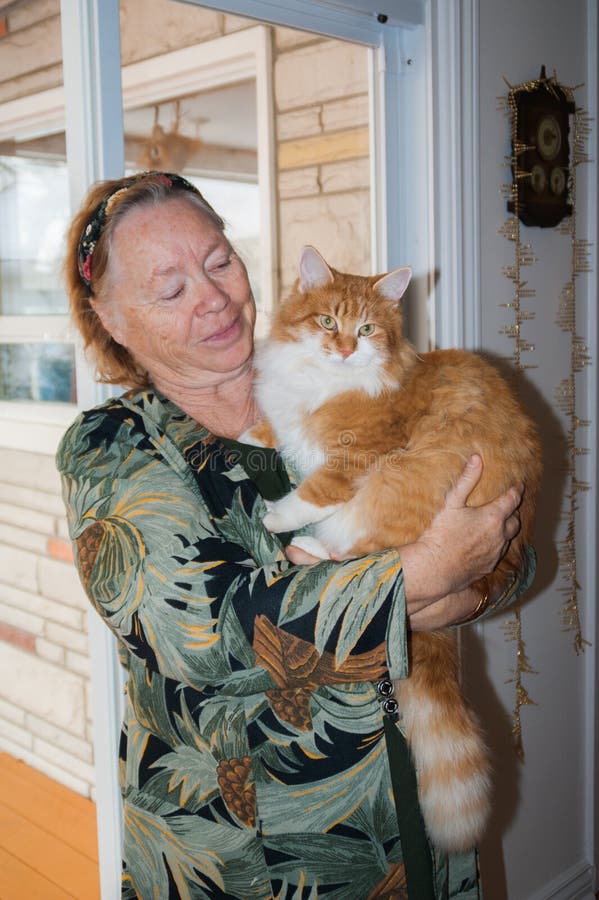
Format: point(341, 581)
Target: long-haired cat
point(378, 434)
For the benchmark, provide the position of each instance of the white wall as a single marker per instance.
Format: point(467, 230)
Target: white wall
point(540, 844)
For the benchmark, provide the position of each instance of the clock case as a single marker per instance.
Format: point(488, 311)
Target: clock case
point(540, 200)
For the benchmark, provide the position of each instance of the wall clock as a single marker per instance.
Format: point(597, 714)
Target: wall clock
point(541, 153)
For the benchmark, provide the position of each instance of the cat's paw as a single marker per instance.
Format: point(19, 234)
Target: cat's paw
point(291, 512)
point(287, 514)
point(275, 519)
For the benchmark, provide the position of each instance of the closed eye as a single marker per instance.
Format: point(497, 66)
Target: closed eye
point(221, 264)
point(174, 293)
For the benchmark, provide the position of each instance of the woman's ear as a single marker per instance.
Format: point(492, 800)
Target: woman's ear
point(393, 285)
point(313, 270)
point(110, 318)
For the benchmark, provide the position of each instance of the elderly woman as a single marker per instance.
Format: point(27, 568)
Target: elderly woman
point(254, 757)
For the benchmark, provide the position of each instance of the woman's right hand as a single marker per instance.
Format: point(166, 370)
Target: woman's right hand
point(462, 544)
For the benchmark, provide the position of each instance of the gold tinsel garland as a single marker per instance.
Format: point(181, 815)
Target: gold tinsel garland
point(566, 391)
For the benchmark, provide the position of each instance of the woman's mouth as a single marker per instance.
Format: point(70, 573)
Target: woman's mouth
point(224, 334)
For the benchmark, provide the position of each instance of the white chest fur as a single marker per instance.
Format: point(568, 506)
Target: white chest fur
point(294, 379)
point(288, 389)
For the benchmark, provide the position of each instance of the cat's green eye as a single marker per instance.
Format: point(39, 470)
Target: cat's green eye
point(366, 330)
point(329, 323)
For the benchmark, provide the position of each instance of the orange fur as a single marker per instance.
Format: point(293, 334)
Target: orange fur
point(391, 457)
point(263, 433)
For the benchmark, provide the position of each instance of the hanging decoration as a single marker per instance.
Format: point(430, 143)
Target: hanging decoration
point(566, 390)
point(542, 192)
point(168, 151)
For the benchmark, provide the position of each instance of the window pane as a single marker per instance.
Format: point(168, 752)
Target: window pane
point(238, 203)
point(37, 372)
point(34, 213)
point(211, 138)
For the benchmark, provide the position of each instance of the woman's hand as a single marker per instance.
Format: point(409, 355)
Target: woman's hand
point(462, 544)
point(300, 557)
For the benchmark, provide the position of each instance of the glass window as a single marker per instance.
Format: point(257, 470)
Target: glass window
point(38, 372)
point(37, 360)
point(210, 137)
point(238, 204)
point(34, 212)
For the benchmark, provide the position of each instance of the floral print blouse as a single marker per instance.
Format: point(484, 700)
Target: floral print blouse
point(254, 760)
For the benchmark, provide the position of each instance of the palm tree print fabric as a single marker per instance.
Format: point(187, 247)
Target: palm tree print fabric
point(253, 756)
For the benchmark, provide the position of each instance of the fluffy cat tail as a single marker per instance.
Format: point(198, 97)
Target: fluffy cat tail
point(447, 746)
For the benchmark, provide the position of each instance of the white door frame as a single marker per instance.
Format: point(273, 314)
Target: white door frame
point(424, 143)
point(408, 169)
point(95, 149)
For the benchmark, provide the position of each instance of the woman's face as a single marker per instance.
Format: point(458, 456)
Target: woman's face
point(179, 297)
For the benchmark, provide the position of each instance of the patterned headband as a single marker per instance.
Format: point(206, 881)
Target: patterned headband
point(97, 220)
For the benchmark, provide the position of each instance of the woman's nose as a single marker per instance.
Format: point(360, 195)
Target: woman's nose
point(208, 297)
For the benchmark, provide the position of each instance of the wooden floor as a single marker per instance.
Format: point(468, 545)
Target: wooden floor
point(48, 845)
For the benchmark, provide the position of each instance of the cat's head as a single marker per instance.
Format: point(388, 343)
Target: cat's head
point(349, 320)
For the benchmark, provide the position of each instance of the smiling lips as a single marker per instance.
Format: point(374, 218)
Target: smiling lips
point(224, 334)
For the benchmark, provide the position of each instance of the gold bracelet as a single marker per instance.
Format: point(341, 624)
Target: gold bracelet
point(481, 606)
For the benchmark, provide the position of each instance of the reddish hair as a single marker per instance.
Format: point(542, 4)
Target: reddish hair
point(114, 363)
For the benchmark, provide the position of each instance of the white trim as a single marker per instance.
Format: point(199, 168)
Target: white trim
point(35, 329)
point(94, 133)
point(574, 884)
point(106, 681)
point(456, 145)
point(223, 60)
point(334, 18)
point(267, 168)
point(33, 115)
point(471, 298)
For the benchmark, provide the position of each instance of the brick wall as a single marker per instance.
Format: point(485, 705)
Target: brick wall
point(321, 101)
point(45, 713)
point(30, 50)
point(321, 122)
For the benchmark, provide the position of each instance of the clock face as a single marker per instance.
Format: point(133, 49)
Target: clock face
point(557, 180)
point(538, 179)
point(549, 137)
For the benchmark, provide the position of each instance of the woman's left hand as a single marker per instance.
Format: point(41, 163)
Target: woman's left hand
point(300, 557)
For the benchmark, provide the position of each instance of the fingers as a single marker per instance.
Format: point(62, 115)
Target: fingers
point(511, 526)
point(507, 504)
point(506, 509)
point(300, 557)
point(466, 483)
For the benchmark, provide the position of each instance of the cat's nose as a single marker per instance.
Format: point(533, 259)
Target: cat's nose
point(345, 352)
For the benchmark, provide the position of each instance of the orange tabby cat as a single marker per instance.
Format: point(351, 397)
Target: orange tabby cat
point(378, 434)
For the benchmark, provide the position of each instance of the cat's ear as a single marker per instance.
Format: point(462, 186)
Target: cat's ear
point(313, 270)
point(393, 285)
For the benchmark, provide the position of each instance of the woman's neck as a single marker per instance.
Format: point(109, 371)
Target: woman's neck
point(226, 408)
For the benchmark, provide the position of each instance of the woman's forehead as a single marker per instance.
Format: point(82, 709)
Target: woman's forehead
point(172, 215)
point(165, 231)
